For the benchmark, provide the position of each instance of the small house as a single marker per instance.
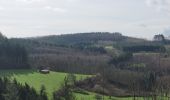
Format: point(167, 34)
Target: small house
point(44, 71)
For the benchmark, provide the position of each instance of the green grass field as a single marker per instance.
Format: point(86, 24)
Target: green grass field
point(51, 81)
point(92, 97)
point(35, 79)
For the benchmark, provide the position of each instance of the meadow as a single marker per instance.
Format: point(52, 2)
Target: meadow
point(51, 81)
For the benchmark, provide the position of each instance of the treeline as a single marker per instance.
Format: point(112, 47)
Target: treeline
point(126, 83)
point(121, 58)
point(147, 48)
point(75, 62)
point(12, 56)
point(12, 90)
point(80, 38)
point(89, 47)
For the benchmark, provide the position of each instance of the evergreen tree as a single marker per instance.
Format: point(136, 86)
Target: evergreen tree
point(65, 93)
point(12, 90)
point(12, 55)
point(43, 94)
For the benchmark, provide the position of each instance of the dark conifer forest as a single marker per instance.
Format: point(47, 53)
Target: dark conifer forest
point(12, 56)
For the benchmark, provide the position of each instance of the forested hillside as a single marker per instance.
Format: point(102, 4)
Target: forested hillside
point(81, 38)
point(12, 56)
point(82, 52)
point(121, 65)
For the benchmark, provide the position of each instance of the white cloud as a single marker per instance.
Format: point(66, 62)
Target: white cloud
point(55, 9)
point(167, 31)
point(2, 8)
point(72, 0)
point(36, 17)
point(59, 10)
point(29, 1)
point(48, 7)
point(160, 5)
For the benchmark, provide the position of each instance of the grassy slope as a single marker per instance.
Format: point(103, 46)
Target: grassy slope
point(51, 81)
point(92, 97)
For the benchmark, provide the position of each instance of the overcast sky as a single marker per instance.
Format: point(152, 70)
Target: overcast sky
point(141, 18)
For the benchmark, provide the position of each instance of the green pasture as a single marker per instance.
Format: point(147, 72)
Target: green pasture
point(51, 81)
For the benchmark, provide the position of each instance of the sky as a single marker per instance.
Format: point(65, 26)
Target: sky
point(137, 18)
